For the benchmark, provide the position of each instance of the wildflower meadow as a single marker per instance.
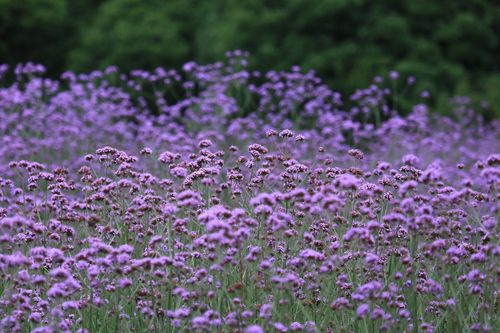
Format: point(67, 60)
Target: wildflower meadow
point(221, 199)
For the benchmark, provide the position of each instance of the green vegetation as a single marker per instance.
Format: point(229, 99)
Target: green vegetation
point(452, 47)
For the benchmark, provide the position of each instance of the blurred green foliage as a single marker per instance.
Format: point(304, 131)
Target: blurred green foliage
point(451, 47)
point(34, 30)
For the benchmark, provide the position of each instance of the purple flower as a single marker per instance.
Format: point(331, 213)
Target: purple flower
point(280, 327)
point(362, 310)
point(295, 326)
point(254, 329)
point(312, 254)
point(265, 310)
point(348, 182)
point(179, 172)
point(124, 282)
point(393, 75)
point(70, 305)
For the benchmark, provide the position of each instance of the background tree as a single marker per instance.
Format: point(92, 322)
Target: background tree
point(451, 47)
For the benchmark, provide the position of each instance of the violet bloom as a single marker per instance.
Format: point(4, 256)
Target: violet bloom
point(124, 282)
point(393, 75)
point(254, 329)
point(266, 310)
point(280, 327)
point(362, 310)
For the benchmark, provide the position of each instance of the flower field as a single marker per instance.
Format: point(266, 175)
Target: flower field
point(216, 199)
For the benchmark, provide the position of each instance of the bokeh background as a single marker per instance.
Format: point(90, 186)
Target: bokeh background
point(451, 46)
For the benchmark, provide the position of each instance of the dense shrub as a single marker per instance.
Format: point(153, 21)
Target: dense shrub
point(35, 30)
point(136, 34)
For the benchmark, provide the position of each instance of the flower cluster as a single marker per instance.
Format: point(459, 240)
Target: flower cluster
point(196, 215)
